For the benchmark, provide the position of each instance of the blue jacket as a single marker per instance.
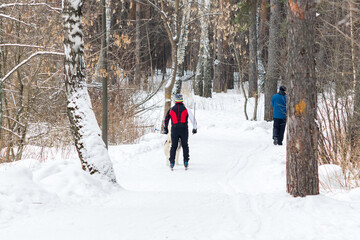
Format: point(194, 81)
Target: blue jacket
point(279, 105)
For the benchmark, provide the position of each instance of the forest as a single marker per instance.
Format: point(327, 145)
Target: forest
point(134, 48)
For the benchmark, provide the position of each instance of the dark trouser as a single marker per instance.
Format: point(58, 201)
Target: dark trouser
point(279, 129)
point(181, 133)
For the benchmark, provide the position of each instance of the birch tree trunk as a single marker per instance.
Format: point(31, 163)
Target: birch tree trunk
point(199, 83)
point(91, 149)
point(206, 64)
point(272, 73)
point(174, 28)
point(181, 48)
point(173, 31)
point(203, 84)
point(302, 136)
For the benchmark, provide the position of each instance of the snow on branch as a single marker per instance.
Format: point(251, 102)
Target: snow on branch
point(12, 132)
point(13, 119)
point(19, 45)
point(26, 60)
point(58, 10)
point(17, 20)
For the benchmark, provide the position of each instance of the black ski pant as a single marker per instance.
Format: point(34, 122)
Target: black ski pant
point(182, 133)
point(279, 129)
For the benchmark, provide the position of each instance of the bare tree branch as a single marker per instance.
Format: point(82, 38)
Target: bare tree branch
point(19, 45)
point(12, 132)
point(26, 60)
point(341, 32)
point(17, 20)
point(58, 10)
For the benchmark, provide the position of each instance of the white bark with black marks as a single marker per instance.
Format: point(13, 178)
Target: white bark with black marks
point(91, 149)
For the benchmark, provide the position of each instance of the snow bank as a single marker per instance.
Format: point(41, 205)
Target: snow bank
point(29, 184)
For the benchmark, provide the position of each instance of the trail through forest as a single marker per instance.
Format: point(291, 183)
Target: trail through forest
point(234, 189)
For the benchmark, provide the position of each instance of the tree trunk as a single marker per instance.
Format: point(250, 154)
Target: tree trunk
point(171, 82)
point(302, 137)
point(199, 83)
point(253, 80)
point(207, 75)
point(272, 74)
point(104, 71)
point(91, 149)
point(355, 123)
point(1, 97)
point(219, 66)
point(219, 62)
point(202, 84)
point(263, 29)
point(138, 68)
point(181, 49)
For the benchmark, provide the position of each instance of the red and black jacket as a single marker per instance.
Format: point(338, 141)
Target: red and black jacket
point(178, 115)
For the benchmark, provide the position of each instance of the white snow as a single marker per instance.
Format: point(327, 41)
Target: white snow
point(234, 189)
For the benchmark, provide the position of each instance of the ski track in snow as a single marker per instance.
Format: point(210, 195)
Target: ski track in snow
point(234, 189)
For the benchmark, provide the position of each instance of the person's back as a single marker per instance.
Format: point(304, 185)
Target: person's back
point(279, 115)
point(179, 116)
point(279, 105)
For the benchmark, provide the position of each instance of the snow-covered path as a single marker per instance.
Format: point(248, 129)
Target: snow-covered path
point(234, 189)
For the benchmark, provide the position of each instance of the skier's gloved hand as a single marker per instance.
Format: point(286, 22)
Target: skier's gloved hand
point(194, 131)
point(166, 131)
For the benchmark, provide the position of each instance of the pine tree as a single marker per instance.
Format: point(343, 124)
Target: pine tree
point(302, 136)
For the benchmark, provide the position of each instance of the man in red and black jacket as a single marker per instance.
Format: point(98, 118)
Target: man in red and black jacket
point(179, 116)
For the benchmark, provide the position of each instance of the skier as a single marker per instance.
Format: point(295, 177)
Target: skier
point(179, 115)
point(279, 115)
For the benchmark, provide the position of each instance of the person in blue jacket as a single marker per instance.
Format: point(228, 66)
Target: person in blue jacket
point(279, 115)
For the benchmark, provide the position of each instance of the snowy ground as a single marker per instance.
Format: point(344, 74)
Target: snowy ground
point(234, 189)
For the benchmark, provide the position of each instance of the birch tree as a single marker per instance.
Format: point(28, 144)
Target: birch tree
point(302, 135)
point(91, 149)
point(203, 83)
point(182, 46)
point(171, 13)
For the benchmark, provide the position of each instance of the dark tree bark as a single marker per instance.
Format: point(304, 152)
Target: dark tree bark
point(272, 73)
point(355, 123)
point(302, 137)
point(138, 67)
point(253, 76)
point(104, 73)
point(219, 62)
point(263, 29)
